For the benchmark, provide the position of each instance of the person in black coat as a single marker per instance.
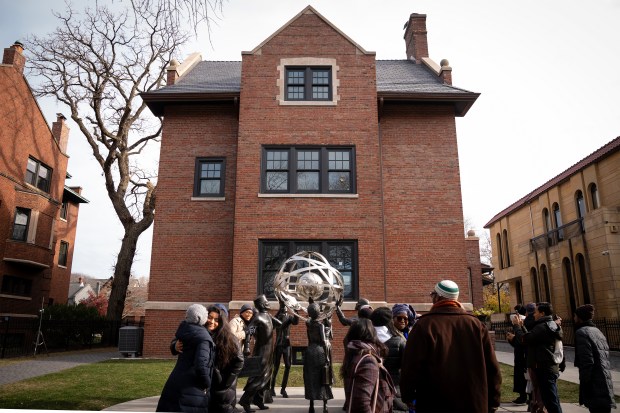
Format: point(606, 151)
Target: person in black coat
point(283, 348)
point(596, 389)
point(188, 386)
point(520, 366)
point(362, 304)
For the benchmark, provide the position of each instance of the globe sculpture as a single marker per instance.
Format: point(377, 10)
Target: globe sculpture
point(308, 276)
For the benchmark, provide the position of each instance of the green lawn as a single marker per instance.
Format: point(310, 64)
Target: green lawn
point(101, 385)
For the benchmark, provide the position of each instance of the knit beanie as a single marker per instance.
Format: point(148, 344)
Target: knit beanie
point(245, 307)
point(222, 308)
point(447, 289)
point(407, 309)
point(365, 311)
point(196, 314)
point(585, 312)
point(530, 308)
point(381, 317)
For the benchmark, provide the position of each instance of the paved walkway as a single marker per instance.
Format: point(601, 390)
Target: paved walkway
point(42, 364)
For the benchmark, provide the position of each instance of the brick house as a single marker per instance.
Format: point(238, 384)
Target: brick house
point(308, 143)
point(38, 212)
point(561, 242)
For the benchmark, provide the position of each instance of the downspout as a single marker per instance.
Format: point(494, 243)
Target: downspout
point(382, 201)
point(535, 251)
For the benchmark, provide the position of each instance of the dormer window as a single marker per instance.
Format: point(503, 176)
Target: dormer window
point(308, 83)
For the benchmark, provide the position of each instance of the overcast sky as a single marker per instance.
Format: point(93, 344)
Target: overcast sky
point(548, 72)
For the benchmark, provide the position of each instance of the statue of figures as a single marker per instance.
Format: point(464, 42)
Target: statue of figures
point(283, 348)
point(262, 325)
point(318, 373)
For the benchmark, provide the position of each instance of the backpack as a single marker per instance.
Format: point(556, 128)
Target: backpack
point(558, 347)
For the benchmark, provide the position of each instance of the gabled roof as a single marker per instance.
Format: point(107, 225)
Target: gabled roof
point(396, 80)
point(309, 9)
point(594, 157)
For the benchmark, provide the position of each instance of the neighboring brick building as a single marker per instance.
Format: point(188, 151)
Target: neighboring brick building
point(38, 212)
point(308, 143)
point(561, 242)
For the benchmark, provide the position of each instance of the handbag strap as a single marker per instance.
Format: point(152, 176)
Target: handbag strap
point(375, 392)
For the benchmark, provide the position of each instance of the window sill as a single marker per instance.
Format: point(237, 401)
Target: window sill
point(308, 103)
point(62, 266)
point(346, 196)
point(16, 297)
point(63, 219)
point(208, 198)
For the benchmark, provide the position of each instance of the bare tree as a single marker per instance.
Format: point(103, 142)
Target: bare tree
point(193, 11)
point(97, 63)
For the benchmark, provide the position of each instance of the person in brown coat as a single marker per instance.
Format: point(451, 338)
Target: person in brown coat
point(369, 388)
point(449, 363)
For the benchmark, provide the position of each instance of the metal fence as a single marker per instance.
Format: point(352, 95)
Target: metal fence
point(610, 327)
point(19, 336)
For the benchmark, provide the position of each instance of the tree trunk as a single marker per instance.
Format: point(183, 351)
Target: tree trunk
point(122, 272)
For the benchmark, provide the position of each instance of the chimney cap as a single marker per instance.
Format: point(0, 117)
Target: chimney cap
point(18, 43)
point(60, 116)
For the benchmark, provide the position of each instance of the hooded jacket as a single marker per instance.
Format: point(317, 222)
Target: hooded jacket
point(188, 386)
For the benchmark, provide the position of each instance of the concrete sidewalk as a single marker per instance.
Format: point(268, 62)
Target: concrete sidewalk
point(297, 404)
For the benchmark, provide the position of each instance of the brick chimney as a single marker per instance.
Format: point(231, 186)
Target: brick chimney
point(415, 37)
point(172, 72)
point(14, 56)
point(60, 132)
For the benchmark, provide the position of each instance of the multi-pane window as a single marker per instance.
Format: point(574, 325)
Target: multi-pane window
point(342, 255)
point(20, 224)
point(308, 170)
point(38, 174)
point(16, 286)
point(62, 253)
point(209, 177)
point(308, 83)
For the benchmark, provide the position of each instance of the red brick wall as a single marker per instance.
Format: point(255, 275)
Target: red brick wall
point(24, 129)
point(423, 210)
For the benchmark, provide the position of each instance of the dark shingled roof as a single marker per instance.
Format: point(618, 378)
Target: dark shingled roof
point(595, 156)
point(396, 79)
point(404, 76)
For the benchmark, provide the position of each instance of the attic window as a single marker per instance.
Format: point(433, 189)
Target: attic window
point(308, 81)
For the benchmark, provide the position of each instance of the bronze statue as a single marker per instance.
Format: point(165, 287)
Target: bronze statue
point(283, 348)
point(262, 326)
point(318, 373)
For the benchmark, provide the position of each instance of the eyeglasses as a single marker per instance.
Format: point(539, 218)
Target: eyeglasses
point(401, 318)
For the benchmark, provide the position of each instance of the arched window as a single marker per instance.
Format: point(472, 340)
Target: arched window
point(583, 277)
point(568, 276)
point(545, 279)
point(519, 290)
point(557, 218)
point(594, 196)
point(581, 207)
point(548, 227)
point(506, 249)
point(534, 278)
point(500, 255)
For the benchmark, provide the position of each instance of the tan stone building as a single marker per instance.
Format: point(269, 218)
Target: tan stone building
point(561, 242)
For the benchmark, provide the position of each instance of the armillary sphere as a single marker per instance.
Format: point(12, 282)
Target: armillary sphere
point(308, 275)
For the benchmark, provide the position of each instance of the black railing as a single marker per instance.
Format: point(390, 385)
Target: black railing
point(553, 237)
point(610, 327)
point(19, 335)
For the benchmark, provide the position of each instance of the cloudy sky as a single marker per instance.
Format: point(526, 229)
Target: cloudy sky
point(548, 72)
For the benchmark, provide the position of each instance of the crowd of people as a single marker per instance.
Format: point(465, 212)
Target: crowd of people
point(394, 359)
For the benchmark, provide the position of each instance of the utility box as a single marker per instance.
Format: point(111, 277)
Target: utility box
point(130, 341)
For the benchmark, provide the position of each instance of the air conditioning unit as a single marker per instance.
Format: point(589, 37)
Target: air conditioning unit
point(130, 341)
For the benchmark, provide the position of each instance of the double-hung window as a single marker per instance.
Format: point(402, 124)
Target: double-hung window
point(16, 286)
point(308, 170)
point(341, 255)
point(20, 224)
point(209, 177)
point(64, 210)
point(308, 83)
point(38, 174)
